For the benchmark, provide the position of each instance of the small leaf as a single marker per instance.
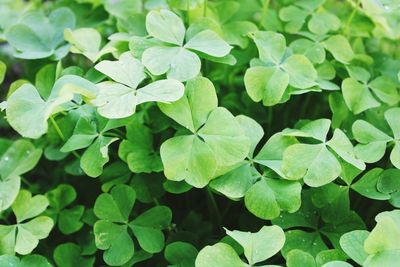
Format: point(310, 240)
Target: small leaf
point(165, 26)
point(218, 255)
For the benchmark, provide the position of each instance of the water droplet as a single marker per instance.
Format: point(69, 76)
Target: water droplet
point(314, 244)
point(6, 158)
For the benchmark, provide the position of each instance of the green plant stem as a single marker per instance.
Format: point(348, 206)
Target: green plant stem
point(205, 6)
point(269, 122)
point(188, 11)
point(61, 135)
point(214, 206)
point(353, 13)
point(263, 12)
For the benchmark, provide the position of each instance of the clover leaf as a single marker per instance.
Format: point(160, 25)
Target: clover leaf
point(3, 70)
point(254, 245)
point(357, 91)
point(24, 236)
point(372, 141)
point(216, 139)
point(27, 261)
point(36, 36)
point(170, 55)
point(111, 231)
point(309, 161)
point(180, 254)
point(25, 104)
point(269, 79)
point(87, 41)
point(119, 99)
point(92, 134)
point(68, 219)
point(138, 150)
point(20, 157)
point(69, 255)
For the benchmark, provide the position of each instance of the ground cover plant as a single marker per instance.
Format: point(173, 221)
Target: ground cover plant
point(200, 133)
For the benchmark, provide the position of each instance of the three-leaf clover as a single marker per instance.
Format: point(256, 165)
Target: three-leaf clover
point(26, 104)
point(20, 157)
point(216, 140)
point(119, 99)
point(373, 142)
point(255, 247)
point(68, 219)
point(315, 163)
point(358, 91)
point(91, 133)
point(138, 149)
point(112, 230)
point(36, 36)
point(268, 78)
point(24, 236)
point(170, 55)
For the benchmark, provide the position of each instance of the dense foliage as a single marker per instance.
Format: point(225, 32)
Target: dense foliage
point(224, 133)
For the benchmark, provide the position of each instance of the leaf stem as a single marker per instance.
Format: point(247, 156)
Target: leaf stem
point(61, 135)
point(214, 206)
point(188, 11)
point(205, 6)
point(353, 13)
point(263, 13)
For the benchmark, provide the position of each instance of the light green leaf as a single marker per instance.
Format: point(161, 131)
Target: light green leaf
point(301, 72)
point(25, 206)
point(210, 43)
point(357, 96)
point(266, 83)
point(86, 41)
point(314, 163)
point(271, 46)
point(126, 70)
point(261, 245)
point(297, 257)
point(185, 158)
point(353, 245)
point(366, 185)
point(3, 70)
point(178, 62)
point(218, 255)
point(9, 188)
point(192, 110)
point(385, 89)
point(323, 22)
point(340, 48)
point(165, 26)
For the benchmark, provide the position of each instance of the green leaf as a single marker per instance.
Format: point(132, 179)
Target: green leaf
point(357, 96)
point(27, 261)
point(3, 70)
point(69, 255)
point(218, 255)
point(69, 220)
point(96, 156)
point(165, 26)
point(323, 22)
point(117, 205)
point(265, 198)
point(366, 185)
point(353, 245)
point(271, 46)
point(192, 110)
point(386, 233)
point(385, 89)
point(314, 51)
point(314, 163)
point(256, 249)
point(9, 188)
point(298, 257)
point(36, 36)
point(116, 242)
point(340, 48)
point(181, 254)
point(148, 227)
